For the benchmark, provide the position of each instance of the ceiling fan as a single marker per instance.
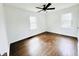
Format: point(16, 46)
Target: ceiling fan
point(46, 7)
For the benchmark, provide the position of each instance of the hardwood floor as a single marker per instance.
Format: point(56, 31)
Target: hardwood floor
point(45, 44)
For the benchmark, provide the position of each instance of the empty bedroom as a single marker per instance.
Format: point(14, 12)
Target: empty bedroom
point(39, 29)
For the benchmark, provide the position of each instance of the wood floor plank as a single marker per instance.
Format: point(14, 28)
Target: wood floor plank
point(45, 44)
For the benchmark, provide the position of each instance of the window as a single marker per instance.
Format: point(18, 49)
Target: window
point(66, 20)
point(33, 24)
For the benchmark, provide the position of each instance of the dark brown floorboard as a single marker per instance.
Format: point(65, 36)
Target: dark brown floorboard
point(45, 44)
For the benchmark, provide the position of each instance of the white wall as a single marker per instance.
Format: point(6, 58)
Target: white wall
point(78, 29)
point(3, 36)
point(18, 26)
point(54, 21)
point(17, 22)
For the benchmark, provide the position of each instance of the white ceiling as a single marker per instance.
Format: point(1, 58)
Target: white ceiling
point(31, 6)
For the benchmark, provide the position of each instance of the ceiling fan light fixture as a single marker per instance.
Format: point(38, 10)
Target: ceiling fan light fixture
point(46, 7)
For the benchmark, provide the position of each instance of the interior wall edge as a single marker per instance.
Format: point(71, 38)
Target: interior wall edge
point(26, 37)
point(42, 33)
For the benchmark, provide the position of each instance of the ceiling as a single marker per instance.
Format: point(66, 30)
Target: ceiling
point(31, 6)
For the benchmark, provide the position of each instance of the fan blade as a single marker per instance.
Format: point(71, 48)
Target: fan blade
point(39, 8)
point(48, 5)
point(50, 8)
